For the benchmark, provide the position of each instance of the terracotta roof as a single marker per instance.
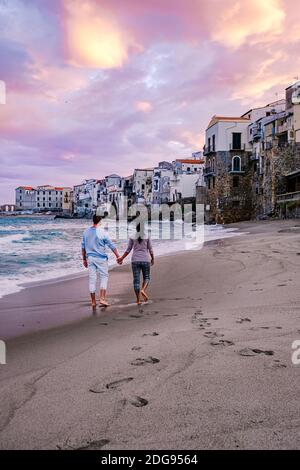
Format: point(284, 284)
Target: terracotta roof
point(190, 161)
point(25, 187)
point(216, 119)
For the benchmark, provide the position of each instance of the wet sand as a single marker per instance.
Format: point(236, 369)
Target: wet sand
point(205, 365)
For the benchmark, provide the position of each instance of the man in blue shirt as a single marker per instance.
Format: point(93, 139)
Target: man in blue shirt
point(94, 243)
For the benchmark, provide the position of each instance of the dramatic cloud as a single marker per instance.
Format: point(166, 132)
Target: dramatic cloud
point(96, 86)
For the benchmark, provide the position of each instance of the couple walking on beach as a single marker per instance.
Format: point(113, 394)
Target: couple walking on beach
point(94, 244)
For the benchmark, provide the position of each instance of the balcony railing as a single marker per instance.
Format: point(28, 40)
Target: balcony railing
point(208, 171)
point(286, 197)
point(282, 128)
point(208, 150)
point(236, 148)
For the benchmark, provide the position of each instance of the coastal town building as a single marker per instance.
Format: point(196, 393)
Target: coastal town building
point(142, 185)
point(227, 170)
point(249, 168)
point(161, 183)
point(7, 208)
point(43, 198)
point(25, 197)
point(176, 181)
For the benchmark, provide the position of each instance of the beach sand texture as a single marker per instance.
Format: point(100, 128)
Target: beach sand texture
point(205, 365)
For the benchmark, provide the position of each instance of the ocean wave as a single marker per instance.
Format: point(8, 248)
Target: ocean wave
point(44, 249)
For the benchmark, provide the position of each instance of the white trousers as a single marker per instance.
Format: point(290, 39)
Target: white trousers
point(97, 265)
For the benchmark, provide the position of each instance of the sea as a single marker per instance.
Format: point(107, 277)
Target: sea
point(41, 248)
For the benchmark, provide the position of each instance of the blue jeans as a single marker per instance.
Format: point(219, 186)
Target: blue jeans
point(139, 267)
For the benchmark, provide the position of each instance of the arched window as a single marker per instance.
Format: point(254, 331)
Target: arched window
point(213, 164)
point(236, 163)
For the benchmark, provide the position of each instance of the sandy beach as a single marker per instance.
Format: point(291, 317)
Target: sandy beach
point(205, 365)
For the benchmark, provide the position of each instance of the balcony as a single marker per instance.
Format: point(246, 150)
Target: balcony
point(286, 197)
point(232, 148)
point(257, 133)
point(208, 150)
point(281, 128)
point(208, 172)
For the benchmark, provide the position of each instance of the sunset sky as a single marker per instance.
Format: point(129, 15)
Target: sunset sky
point(102, 86)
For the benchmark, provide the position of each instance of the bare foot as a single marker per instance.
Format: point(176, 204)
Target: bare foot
point(145, 296)
point(104, 303)
point(139, 302)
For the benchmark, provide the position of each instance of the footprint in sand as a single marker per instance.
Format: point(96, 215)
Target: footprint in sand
point(141, 361)
point(242, 320)
point(254, 352)
point(213, 334)
point(136, 348)
point(221, 342)
point(138, 401)
point(94, 445)
point(171, 315)
point(135, 315)
point(278, 365)
point(100, 388)
point(151, 334)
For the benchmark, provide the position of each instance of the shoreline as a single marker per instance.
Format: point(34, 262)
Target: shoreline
point(73, 275)
point(30, 291)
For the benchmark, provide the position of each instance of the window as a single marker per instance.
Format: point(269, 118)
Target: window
point(208, 145)
point(236, 140)
point(236, 163)
point(188, 169)
point(213, 164)
point(235, 182)
point(213, 143)
point(49, 204)
point(38, 204)
point(213, 182)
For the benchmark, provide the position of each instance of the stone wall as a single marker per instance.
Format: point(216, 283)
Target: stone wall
point(278, 162)
point(228, 203)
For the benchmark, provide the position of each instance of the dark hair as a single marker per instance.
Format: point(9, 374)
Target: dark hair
point(141, 232)
point(96, 219)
